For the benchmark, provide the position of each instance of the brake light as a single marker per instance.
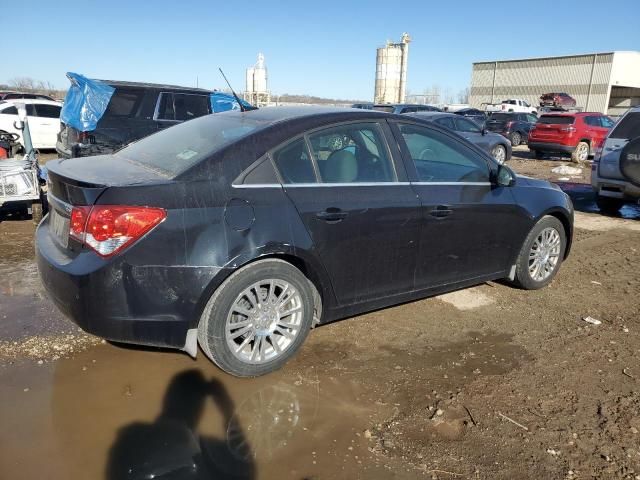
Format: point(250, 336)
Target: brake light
point(570, 129)
point(508, 125)
point(108, 229)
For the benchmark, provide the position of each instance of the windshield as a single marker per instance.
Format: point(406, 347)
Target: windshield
point(179, 147)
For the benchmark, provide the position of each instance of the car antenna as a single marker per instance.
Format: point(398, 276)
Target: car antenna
point(242, 107)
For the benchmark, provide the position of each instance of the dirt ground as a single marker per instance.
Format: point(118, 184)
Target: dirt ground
point(485, 383)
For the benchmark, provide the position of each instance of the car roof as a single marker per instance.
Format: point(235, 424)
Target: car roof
point(432, 115)
point(271, 115)
point(15, 101)
point(573, 114)
point(153, 86)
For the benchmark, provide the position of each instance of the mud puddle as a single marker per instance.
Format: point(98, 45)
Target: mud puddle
point(113, 412)
point(584, 200)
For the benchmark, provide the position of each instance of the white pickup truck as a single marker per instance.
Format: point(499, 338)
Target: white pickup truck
point(511, 105)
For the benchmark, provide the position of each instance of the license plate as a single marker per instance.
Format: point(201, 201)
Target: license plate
point(59, 227)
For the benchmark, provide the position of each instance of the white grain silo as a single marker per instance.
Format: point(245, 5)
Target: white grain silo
point(391, 71)
point(257, 91)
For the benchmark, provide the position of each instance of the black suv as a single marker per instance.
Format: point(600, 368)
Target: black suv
point(514, 126)
point(135, 110)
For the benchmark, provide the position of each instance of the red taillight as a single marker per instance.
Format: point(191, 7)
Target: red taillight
point(568, 129)
point(110, 228)
point(508, 125)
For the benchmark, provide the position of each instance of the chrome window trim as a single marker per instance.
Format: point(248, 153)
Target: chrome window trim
point(315, 185)
point(485, 184)
point(257, 185)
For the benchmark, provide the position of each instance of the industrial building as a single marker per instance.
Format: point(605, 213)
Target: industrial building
point(601, 82)
point(256, 91)
point(391, 71)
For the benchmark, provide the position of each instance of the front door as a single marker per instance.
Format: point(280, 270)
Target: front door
point(357, 206)
point(471, 227)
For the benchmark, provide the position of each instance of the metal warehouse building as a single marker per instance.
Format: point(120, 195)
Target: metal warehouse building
point(601, 82)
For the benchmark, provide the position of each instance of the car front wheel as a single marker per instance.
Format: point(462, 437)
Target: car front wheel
point(257, 319)
point(541, 254)
point(499, 153)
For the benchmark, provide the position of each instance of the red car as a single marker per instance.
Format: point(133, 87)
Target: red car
point(558, 100)
point(578, 134)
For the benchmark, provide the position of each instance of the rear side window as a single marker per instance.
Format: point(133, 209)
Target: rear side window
point(124, 103)
point(501, 117)
point(180, 107)
point(628, 127)
point(294, 163)
point(446, 122)
point(48, 111)
point(556, 120)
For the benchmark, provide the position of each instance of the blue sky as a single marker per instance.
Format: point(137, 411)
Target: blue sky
point(325, 48)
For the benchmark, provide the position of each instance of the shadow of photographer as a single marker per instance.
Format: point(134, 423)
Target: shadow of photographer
point(171, 447)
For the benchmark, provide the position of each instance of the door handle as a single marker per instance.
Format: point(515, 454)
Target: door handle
point(441, 211)
point(332, 215)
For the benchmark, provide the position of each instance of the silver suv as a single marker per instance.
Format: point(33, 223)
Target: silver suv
point(615, 173)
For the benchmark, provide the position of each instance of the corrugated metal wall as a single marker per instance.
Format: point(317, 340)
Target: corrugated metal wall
point(586, 78)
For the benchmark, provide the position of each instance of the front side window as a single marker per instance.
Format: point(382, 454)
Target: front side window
point(465, 125)
point(446, 122)
point(294, 163)
point(352, 153)
point(190, 106)
point(532, 118)
point(439, 158)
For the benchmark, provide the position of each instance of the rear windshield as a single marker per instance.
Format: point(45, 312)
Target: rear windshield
point(175, 149)
point(628, 127)
point(501, 117)
point(385, 108)
point(556, 120)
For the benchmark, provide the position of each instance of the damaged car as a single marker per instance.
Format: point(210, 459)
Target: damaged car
point(102, 116)
point(240, 232)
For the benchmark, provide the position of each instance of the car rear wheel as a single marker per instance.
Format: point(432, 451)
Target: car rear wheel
point(499, 153)
point(516, 139)
point(609, 205)
point(581, 153)
point(537, 154)
point(257, 319)
point(541, 254)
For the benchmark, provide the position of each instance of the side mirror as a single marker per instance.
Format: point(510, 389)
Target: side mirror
point(18, 125)
point(505, 177)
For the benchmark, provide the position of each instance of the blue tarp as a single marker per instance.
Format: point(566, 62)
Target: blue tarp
point(221, 102)
point(85, 103)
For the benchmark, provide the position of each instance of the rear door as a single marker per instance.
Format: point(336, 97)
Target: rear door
point(471, 228)
point(357, 205)
point(49, 116)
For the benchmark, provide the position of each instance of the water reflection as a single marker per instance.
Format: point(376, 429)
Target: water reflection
point(172, 447)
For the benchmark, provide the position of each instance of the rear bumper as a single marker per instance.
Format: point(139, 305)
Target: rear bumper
point(550, 147)
point(606, 187)
point(146, 305)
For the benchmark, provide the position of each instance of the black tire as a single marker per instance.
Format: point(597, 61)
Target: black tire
point(578, 155)
point(609, 205)
point(538, 154)
point(211, 329)
point(36, 212)
point(522, 278)
point(516, 139)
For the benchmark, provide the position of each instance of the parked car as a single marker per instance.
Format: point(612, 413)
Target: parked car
point(496, 145)
point(615, 172)
point(22, 95)
point(514, 126)
point(405, 108)
point(578, 134)
point(511, 105)
point(122, 112)
point(244, 230)
point(474, 114)
point(557, 100)
point(44, 120)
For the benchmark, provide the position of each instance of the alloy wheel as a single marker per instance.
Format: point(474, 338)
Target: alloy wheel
point(544, 254)
point(264, 321)
point(499, 153)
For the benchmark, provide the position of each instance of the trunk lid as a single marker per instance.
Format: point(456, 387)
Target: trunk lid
point(553, 128)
